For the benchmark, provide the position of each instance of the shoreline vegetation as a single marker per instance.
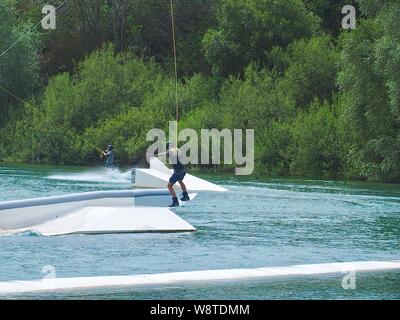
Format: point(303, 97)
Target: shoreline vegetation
point(324, 102)
point(208, 173)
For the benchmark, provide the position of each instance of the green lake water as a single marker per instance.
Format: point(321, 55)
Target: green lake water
point(258, 223)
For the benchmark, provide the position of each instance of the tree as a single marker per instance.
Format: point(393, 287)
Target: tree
point(369, 79)
point(330, 12)
point(253, 102)
point(104, 83)
point(19, 64)
point(247, 30)
point(311, 70)
point(152, 32)
point(315, 143)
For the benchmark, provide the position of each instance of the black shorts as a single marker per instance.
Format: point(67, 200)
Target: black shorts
point(177, 176)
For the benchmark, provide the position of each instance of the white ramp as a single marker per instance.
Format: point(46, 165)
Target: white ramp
point(87, 283)
point(119, 211)
point(158, 175)
point(98, 220)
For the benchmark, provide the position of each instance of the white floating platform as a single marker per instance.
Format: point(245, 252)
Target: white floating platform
point(100, 220)
point(87, 283)
point(158, 175)
point(126, 211)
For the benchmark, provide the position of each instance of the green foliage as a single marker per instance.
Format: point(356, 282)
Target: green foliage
point(323, 105)
point(111, 98)
point(196, 91)
point(127, 132)
point(371, 8)
point(330, 12)
point(222, 54)
point(311, 71)
point(316, 147)
point(32, 139)
point(248, 30)
point(255, 101)
point(19, 65)
point(272, 149)
point(207, 116)
point(103, 85)
point(370, 82)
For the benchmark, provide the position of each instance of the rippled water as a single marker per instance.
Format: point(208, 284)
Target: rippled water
point(256, 224)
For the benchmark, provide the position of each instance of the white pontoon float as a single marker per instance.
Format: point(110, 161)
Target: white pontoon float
point(192, 277)
point(158, 174)
point(93, 213)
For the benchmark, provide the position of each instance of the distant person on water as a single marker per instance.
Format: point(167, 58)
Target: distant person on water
point(173, 154)
point(110, 156)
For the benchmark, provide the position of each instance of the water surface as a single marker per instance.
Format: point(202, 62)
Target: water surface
point(275, 222)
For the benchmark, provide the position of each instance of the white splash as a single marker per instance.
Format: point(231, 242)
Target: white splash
point(97, 175)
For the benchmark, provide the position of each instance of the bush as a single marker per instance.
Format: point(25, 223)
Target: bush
point(254, 102)
point(315, 148)
point(247, 30)
point(103, 84)
point(272, 149)
point(312, 70)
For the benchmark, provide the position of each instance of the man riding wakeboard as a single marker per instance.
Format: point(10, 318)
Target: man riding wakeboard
point(173, 154)
point(110, 155)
